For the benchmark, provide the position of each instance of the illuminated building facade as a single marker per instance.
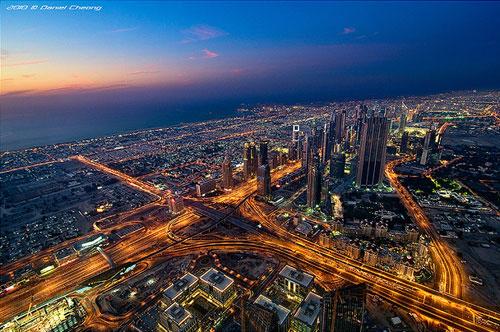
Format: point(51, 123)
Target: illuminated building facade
point(227, 173)
point(372, 152)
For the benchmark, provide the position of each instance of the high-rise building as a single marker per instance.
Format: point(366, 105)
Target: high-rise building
point(327, 203)
point(402, 123)
point(404, 142)
point(300, 148)
point(314, 183)
point(340, 126)
point(250, 160)
point(255, 158)
point(372, 152)
point(263, 154)
point(264, 180)
point(326, 145)
point(292, 151)
point(344, 310)
point(426, 148)
point(337, 166)
point(306, 152)
point(295, 133)
point(313, 139)
point(227, 173)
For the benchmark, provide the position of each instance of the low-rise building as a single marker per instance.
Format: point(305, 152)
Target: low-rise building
point(65, 255)
point(204, 187)
point(176, 204)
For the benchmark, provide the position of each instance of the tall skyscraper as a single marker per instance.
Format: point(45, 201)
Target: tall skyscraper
point(404, 142)
point(340, 126)
point(325, 146)
point(306, 152)
point(360, 119)
point(337, 166)
point(314, 183)
point(263, 153)
point(255, 158)
point(294, 148)
point(295, 133)
point(250, 160)
point(372, 152)
point(227, 173)
point(264, 180)
point(327, 201)
point(402, 123)
point(426, 149)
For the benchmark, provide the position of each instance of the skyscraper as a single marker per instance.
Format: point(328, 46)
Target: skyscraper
point(360, 119)
point(264, 180)
point(340, 126)
point(337, 166)
point(372, 152)
point(306, 152)
point(314, 183)
point(263, 154)
point(295, 133)
point(404, 142)
point(250, 161)
point(426, 149)
point(327, 202)
point(227, 173)
point(325, 146)
point(402, 123)
point(255, 158)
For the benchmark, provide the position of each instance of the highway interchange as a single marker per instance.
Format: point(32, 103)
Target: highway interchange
point(153, 245)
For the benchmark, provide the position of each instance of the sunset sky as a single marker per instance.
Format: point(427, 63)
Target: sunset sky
point(257, 51)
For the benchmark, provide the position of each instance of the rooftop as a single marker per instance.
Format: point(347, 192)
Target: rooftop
point(281, 311)
point(178, 314)
point(180, 286)
point(297, 276)
point(217, 279)
point(309, 309)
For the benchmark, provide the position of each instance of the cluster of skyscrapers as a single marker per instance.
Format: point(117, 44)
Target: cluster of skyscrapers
point(324, 151)
point(325, 147)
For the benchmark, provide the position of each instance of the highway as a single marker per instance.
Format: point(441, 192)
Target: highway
point(153, 245)
point(448, 266)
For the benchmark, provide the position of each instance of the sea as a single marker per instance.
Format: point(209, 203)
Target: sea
point(25, 128)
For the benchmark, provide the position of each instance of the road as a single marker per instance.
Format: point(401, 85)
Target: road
point(448, 266)
point(153, 244)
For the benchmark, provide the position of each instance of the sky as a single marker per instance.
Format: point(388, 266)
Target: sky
point(147, 52)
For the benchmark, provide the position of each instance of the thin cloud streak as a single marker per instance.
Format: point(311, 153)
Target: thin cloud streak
point(207, 54)
point(201, 32)
point(348, 30)
point(26, 63)
point(144, 72)
point(123, 30)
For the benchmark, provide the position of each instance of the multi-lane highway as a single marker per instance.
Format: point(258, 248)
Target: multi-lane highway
point(449, 268)
point(147, 245)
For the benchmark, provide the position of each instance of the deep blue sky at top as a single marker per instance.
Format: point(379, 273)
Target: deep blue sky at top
point(180, 53)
